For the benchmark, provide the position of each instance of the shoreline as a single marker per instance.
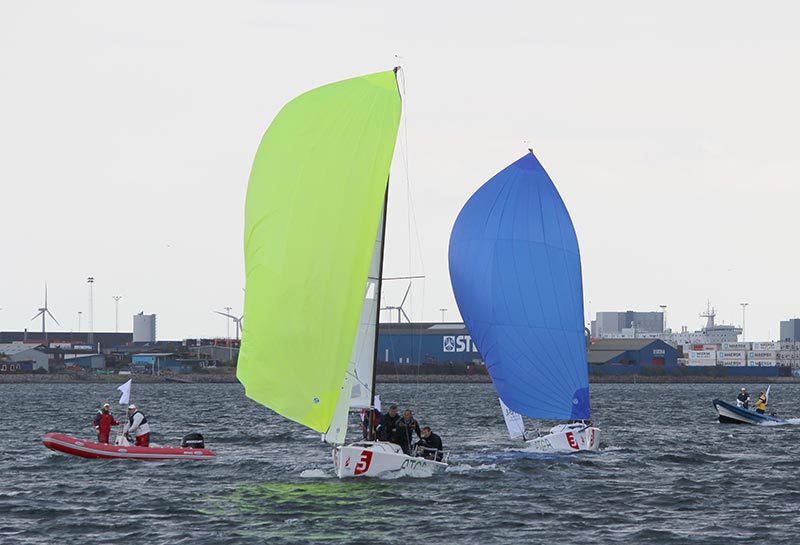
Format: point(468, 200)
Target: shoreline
point(70, 378)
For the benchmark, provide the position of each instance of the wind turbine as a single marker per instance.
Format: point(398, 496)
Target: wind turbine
point(44, 312)
point(236, 320)
point(399, 308)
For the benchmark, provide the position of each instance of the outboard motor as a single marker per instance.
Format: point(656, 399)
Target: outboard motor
point(192, 440)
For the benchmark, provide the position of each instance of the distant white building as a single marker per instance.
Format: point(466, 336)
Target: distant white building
point(144, 328)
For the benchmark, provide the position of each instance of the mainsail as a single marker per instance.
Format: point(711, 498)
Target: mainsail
point(314, 206)
point(516, 275)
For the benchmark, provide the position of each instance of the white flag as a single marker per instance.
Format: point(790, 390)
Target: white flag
point(766, 394)
point(377, 403)
point(516, 427)
point(126, 392)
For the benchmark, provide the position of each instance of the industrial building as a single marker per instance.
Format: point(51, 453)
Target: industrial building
point(631, 357)
point(64, 339)
point(790, 330)
point(144, 328)
point(22, 356)
point(627, 324)
point(426, 343)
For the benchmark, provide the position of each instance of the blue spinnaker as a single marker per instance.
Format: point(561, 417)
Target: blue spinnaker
point(516, 273)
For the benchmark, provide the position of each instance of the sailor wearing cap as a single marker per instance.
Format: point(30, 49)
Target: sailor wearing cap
point(103, 421)
point(137, 424)
point(743, 399)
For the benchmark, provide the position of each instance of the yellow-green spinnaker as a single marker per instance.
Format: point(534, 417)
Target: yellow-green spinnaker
point(314, 203)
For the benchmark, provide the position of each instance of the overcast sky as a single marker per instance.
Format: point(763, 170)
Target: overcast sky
point(128, 130)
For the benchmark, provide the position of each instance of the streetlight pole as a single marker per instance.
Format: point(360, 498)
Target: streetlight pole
point(79, 321)
point(443, 310)
point(744, 308)
point(90, 281)
point(116, 299)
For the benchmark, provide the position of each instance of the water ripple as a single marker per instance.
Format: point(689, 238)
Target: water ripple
point(667, 473)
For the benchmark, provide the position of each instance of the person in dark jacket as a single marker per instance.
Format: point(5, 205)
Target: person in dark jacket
point(406, 428)
point(103, 422)
point(744, 398)
point(430, 445)
point(387, 431)
point(375, 416)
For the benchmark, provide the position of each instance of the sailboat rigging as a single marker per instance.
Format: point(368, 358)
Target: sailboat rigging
point(516, 275)
point(314, 242)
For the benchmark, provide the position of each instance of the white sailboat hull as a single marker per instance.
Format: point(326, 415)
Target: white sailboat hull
point(566, 439)
point(372, 459)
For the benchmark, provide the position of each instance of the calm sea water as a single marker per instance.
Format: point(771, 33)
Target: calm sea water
point(667, 473)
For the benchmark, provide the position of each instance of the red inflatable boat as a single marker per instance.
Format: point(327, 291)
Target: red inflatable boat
point(90, 449)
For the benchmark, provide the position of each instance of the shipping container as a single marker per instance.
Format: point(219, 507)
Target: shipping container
point(762, 363)
point(767, 346)
point(733, 355)
point(736, 346)
point(702, 355)
point(762, 355)
point(702, 363)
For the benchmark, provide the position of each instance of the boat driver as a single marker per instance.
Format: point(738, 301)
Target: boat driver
point(137, 424)
point(743, 398)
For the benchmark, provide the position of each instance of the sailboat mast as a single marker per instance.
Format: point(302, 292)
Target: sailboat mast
point(378, 287)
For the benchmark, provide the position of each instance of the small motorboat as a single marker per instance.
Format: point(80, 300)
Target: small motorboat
point(193, 449)
point(730, 413)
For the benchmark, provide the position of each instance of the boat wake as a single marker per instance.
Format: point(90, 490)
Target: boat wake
point(462, 469)
point(316, 474)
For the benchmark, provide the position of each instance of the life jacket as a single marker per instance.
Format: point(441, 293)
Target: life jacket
point(138, 425)
point(761, 403)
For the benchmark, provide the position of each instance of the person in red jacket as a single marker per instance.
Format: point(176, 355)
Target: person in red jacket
point(103, 422)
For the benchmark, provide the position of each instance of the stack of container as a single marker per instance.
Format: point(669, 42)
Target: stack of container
point(732, 358)
point(789, 355)
point(764, 354)
point(703, 357)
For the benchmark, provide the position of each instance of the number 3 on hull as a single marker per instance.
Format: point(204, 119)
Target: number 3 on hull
point(374, 458)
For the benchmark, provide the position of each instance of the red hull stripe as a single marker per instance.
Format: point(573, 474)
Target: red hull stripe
point(89, 449)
